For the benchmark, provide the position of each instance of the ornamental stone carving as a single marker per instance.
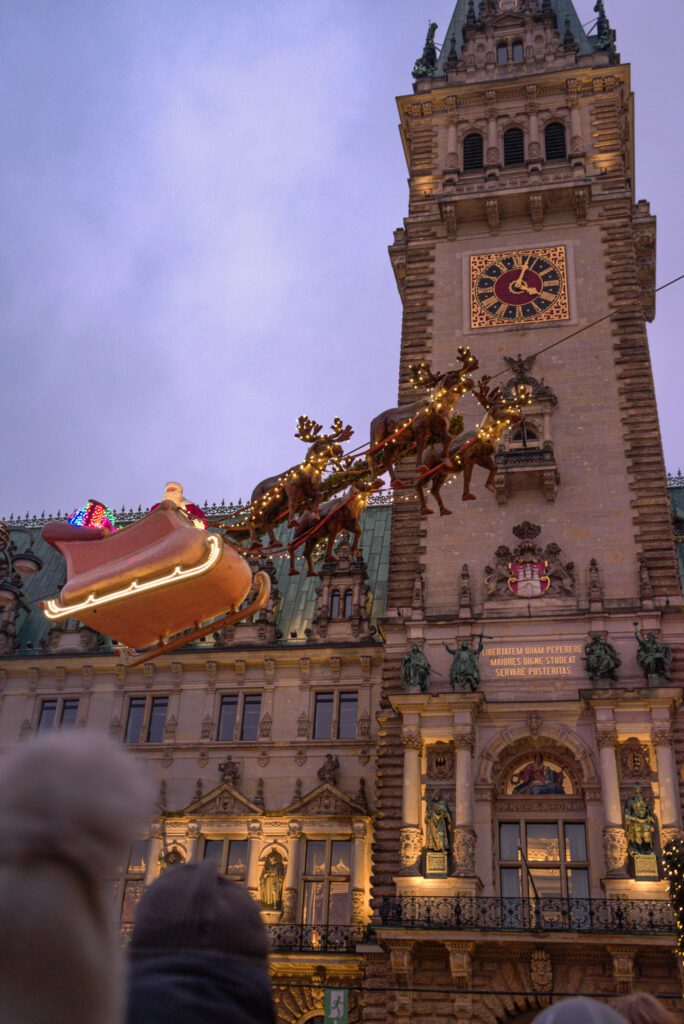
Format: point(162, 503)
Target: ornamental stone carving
point(669, 835)
point(661, 734)
point(357, 906)
point(541, 972)
point(635, 760)
point(464, 850)
point(410, 849)
point(606, 735)
point(615, 850)
point(230, 771)
point(412, 741)
point(464, 741)
point(440, 762)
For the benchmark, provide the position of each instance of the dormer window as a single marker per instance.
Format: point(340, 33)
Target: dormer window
point(473, 152)
point(518, 52)
point(554, 139)
point(502, 53)
point(514, 147)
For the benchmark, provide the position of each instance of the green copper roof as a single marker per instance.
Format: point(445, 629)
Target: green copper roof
point(297, 593)
point(563, 9)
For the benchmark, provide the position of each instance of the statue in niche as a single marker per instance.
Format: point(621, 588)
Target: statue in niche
point(438, 825)
point(537, 779)
point(601, 660)
point(415, 670)
point(653, 657)
point(464, 673)
point(272, 881)
point(640, 823)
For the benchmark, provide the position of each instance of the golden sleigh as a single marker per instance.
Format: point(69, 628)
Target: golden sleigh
point(154, 586)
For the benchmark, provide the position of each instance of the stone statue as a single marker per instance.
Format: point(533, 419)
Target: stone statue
point(415, 670)
point(271, 882)
point(427, 62)
point(537, 779)
point(601, 660)
point(464, 673)
point(438, 825)
point(329, 770)
point(653, 657)
point(640, 824)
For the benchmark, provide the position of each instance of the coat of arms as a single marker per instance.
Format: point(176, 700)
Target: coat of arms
point(529, 571)
point(529, 579)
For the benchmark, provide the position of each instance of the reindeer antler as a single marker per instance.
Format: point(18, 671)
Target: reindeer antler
point(308, 430)
point(422, 375)
point(484, 396)
point(467, 359)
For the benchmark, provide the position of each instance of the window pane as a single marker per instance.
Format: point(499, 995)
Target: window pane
point(213, 850)
point(514, 147)
point(314, 907)
point(155, 732)
point(502, 54)
point(547, 882)
point(227, 718)
point(575, 842)
point(339, 903)
point(131, 897)
point(518, 52)
point(473, 153)
point(542, 842)
point(346, 726)
point(323, 716)
point(510, 882)
point(237, 859)
point(315, 858)
point(335, 604)
point(136, 713)
point(251, 710)
point(554, 138)
point(578, 884)
point(137, 857)
point(48, 710)
point(509, 841)
point(340, 861)
point(348, 603)
point(69, 713)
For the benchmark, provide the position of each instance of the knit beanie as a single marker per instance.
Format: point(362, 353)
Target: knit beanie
point(191, 907)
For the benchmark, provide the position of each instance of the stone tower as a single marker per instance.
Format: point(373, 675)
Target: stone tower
point(523, 230)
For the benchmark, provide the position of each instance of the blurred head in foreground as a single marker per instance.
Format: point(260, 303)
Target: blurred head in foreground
point(642, 1008)
point(198, 953)
point(70, 805)
point(579, 1011)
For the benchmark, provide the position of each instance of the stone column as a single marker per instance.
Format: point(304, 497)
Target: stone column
point(670, 810)
point(255, 833)
point(358, 871)
point(464, 833)
point(192, 833)
point(290, 885)
point(411, 839)
point(614, 839)
point(534, 150)
point(154, 851)
point(492, 156)
point(452, 151)
point(575, 128)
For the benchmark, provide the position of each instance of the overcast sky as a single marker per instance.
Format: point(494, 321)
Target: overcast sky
point(195, 200)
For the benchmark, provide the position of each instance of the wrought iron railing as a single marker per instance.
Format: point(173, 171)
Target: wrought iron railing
point(548, 914)
point(526, 457)
point(309, 938)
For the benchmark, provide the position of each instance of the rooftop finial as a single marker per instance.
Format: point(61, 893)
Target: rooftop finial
point(426, 64)
point(605, 34)
point(470, 16)
point(569, 41)
point(452, 56)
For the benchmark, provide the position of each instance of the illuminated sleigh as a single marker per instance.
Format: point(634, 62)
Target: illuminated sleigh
point(155, 585)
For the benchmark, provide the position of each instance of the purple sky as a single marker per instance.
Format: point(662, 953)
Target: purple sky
point(196, 199)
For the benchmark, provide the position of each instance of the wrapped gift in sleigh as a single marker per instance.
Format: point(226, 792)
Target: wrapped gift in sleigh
point(155, 585)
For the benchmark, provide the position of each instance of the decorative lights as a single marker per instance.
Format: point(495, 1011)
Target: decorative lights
point(673, 863)
point(95, 514)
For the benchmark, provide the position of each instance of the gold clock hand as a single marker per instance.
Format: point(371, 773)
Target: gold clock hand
point(519, 285)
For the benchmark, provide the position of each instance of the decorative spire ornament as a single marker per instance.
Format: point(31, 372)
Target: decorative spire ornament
point(452, 56)
point(470, 16)
point(570, 44)
point(427, 62)
point(604, 33)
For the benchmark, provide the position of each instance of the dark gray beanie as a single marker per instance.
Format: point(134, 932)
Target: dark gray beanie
point(190, 908)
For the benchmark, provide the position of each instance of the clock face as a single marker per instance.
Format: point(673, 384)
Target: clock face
point(525, 286)
point(509, 5)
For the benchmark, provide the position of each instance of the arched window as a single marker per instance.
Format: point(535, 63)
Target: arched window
point(518, 51)
point(335, 604)
point(525, 435)
point(348, 600)
point(554, 138)
point(514, 147)
point(502, 53)
point(473, 152)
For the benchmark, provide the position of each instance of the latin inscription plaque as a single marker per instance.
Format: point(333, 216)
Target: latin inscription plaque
point(533, 661)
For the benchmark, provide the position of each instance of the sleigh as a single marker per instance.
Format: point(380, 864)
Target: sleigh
point(154, 586)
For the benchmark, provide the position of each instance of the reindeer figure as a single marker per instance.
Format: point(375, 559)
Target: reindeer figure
point(339, 515)
point(422, 422)
point(299, 487)
point(473, 447)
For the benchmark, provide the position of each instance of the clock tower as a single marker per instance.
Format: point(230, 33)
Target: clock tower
point(524, 240)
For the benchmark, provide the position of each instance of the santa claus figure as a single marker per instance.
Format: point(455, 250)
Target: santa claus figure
point(174, 492)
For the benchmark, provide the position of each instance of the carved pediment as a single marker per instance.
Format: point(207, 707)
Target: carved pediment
point(326, 799)
point(222, 801)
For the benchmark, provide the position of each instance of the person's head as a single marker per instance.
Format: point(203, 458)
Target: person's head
point(70, 806)
point(579, 1010)
point(198, 952)
point(643, 1008)
point(174, 492)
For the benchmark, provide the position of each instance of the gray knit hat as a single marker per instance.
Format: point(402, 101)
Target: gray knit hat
point(191, 907)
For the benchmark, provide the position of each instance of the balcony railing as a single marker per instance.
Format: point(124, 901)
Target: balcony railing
point(550, 914)
point(309, 938)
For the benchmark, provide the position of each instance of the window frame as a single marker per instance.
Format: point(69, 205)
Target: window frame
point(146, 722)
point(563, 864)
point(238, 727)
point(222, 862)
point(481, 163)
point(326, 879)
point(556, 123)
point(501, 47)
point(130, 875)
point(516, 163)
point(521, 58)
point(58, 720)
point(336, 701)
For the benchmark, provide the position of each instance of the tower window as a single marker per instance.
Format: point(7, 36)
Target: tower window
point(335, 604)
point(502, 53)
point(348, 604)
point(554, 138)
point(514, 147)
point(518, 51)
point(473, 152)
